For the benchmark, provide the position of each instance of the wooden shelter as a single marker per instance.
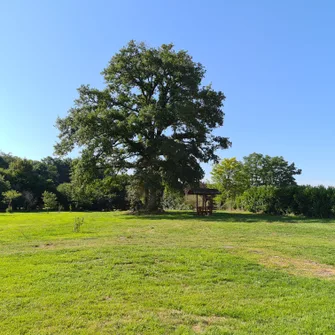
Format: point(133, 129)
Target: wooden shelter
point(205, 206)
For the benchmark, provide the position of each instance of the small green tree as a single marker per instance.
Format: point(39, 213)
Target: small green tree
point(49, 200)
point(9, 196)
point(229, 178)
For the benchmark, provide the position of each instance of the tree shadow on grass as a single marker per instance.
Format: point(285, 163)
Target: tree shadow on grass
point(228, 217)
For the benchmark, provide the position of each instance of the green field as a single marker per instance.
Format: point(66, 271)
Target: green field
point(168, 274)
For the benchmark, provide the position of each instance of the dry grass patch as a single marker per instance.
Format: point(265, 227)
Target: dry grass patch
point(295, 266)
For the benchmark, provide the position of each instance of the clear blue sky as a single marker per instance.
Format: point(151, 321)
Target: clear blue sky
point(274, 60)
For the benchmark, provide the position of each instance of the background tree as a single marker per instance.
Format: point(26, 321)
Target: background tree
point(98, 189)
point(230, 178)
point(49, 200)
point(153, 118)
point(24, 175)
point(9, 197)
point(29, 200)
point(6, 159)
point(269, 171)
point(65, 194)
point(4, 185)
point(72, 182)
point(55, 169)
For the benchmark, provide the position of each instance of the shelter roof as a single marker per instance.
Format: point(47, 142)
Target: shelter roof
point(204, 191)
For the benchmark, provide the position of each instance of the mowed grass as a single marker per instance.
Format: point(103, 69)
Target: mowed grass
point(169, 274)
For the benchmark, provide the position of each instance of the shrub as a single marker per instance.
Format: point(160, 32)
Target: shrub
point(314, 201)
point(310, 201)
point(260, 199)
point(174, 200)
point(78, 222)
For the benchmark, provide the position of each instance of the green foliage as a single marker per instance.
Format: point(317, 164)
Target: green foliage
point(56, 169)
point(49, 200)
point(269, 171)
point(314, 201)
point(78, 222)
point(259, 199)
point(4, 186)
point(6, 159)
point(67, 178)
point(31, 178)
point(229, 178)
point(135, 194)
point(96, 189)
point(174, 200)
point(318, 202)
point(233, 177)
point(10, 196)
point(65, 193)
point(154, 117)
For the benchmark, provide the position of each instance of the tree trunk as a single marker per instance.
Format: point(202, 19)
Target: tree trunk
point(154, 199)
point(146, 197)
point(153, 189)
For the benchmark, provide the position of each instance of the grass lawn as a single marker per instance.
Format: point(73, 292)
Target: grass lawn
point(168, 274)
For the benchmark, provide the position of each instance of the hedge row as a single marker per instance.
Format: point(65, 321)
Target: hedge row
point(318, 202)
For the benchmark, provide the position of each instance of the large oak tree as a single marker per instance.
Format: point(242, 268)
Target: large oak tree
point(153, 118)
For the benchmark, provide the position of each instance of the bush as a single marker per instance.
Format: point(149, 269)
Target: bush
point(174, 200)
point(310, 201)
point(78, 222)
point(314, 201)
point(260, 199)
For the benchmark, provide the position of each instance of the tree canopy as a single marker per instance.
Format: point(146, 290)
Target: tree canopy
point(63, 177)
point(154, 118)
point(9, 196)
point(230, 178)
point(233, 177)
point(270, 171)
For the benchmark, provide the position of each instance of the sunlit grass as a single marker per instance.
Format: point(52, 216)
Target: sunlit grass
point(169, 274)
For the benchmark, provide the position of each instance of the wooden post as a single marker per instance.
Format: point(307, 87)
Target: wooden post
point(203, 205)
point(197, 205)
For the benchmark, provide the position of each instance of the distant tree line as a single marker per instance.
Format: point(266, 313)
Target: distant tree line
point(55, 183)
point(260, 183)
